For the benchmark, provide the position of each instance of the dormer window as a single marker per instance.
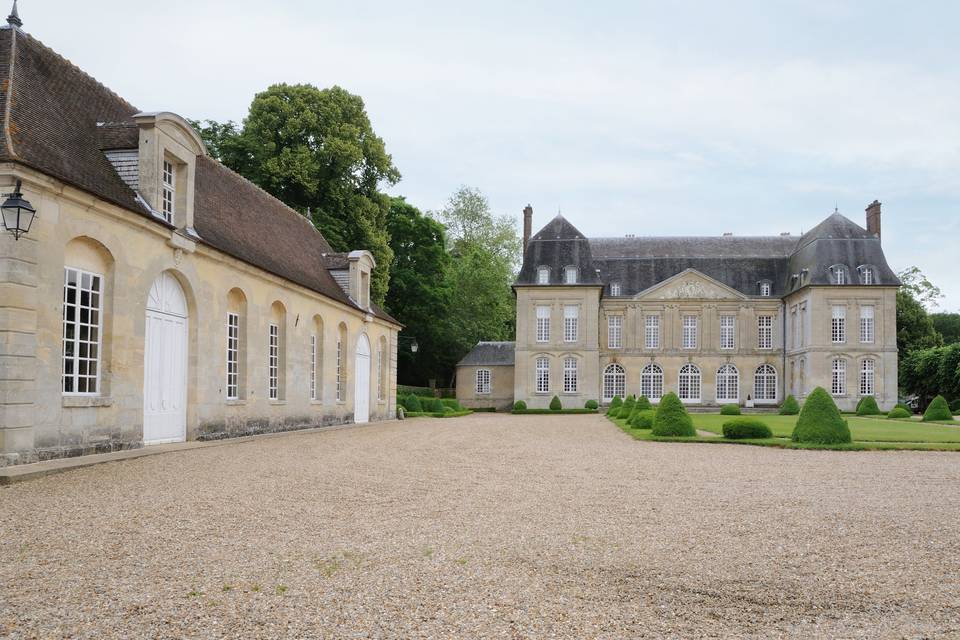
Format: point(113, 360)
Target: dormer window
point(866, 275)
point(543, 275)
point(168, 191)
point(765, 288)
point(838, 273)
point(614, 288)
point(570, 275)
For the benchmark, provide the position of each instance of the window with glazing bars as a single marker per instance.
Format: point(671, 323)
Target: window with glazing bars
point(651, 332)
point(313, 367)
point(689, 332)
point(543, 324)
point(866, 324)
point(570, 375)
point(728, 331)
point(765, 332)
point(838, 381)
point(82, 319)
point(168, 190)
point(838, 324)
point(866, 377)
point(483, 380)
point(543, 375)
point(571, 321)
point(233, 356)
point(273, 362)
point(614, 332)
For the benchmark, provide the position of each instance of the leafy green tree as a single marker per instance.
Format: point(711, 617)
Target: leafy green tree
point(948, 324)
point(915, 330)
point(919, 287)
point(316, 150)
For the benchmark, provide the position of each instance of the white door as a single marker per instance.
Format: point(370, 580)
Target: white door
point(361, 394)
point(165, 363)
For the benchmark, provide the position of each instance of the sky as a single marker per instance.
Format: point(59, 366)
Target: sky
point(650, 118)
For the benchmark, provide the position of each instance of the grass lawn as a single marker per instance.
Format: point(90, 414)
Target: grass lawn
point(868, 433)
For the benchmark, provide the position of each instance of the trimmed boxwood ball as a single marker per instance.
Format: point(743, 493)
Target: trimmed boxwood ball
point(820, 421)
point(730, 410)
point(412, 404)
point(868, 407)
point(672, 418)
point(746, 427)
point(520, 405)
point(643, 403)
point(790, 407)
point(938, 410)
point(555, 404)
point(643, 419)
point(615, 405)
point(899, 413)
point(590, 404)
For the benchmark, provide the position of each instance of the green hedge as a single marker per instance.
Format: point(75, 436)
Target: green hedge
point(746, 427)
point(438, 414)
point(938, 410)
point(899, 413)
point(615, 404)
point(424, 392)
point(643, 419)
point(484, 409)
point(553, 411)
point(412, 403)
point(868, 407)
point(820, 421)
point(591, 404)
point(672, 418)
point(790, 407)
point(730, 410)
point(453, 403)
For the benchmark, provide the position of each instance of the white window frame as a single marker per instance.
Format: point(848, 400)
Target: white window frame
point(867, 324)
point(94, 314)
point(614, 332)
point(838, 377)
point(838, 324)
point(273, 362)
point(570, 375)
point(543, 323)
point(543, 374)
point(651, 382)
point(313, 366)
point(570, 275)
point(765, 289)
point(571, 323)
point(543, 275)
point(168, 190)
point(614, 382)
point(765, 332)
point(651, 332)
point(614, 289)
point(866, 274)
point(868, 377)
point(728, 378)
point(689, 383)
point(484, 381)
point(689, 331)
point(380, 394)
point(839, 274)
point(233, 356)
point(765, 383)
point(339, 369)
point(728, 332)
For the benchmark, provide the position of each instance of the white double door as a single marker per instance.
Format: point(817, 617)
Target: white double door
point(165, 363)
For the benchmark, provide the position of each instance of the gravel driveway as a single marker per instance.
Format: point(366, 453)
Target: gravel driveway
point(486, 526)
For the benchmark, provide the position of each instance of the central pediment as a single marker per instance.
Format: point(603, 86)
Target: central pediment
point(690, 285)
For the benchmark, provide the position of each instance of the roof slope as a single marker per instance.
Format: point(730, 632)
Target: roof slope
point(559, 244)
point(490, 354)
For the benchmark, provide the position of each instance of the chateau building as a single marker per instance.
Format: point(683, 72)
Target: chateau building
point(717, 320)
point(158, 296)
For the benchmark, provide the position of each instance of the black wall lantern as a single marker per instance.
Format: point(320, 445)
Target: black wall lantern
point(18, 214)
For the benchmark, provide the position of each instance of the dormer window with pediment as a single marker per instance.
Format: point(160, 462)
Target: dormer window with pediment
point(867, 274)
point(838, 274)
point(766, 288)
point(570, 275)
point(543, 275)
point(168, 189)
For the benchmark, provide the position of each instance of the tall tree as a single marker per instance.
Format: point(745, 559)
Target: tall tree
point(948, 324)
point(316, 150)
point(419, 295)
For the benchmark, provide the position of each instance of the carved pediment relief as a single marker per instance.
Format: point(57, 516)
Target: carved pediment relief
point(690, 285)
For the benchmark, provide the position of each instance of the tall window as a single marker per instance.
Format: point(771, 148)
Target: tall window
point(765, 289)
point(689, 332)
point(651, 382)
point(765, 332)
point(571, 321)
point(543, 375)
point(614, 332)
point(838, 382)
point(866, 324)
point(614, 288)
point(867, 368)
point(838, 324)
point(614, 382)
point(570, 275)
point(273, 362)
point(233, 356)
point(483, 381)
point(690, 383)
point(651, 332)
point(82, 321)
point(543, 275)
point(380, 372)
point(866, 273)
point(765, 383)
point(570, 375)
point(543, 324)
point(728, 384)
point(340, 368)
point(728, 330)
point(168, 190)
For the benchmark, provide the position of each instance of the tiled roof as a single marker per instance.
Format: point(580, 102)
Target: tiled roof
point(490, 354)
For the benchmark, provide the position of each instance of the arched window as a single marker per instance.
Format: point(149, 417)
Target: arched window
point(543, 275)
point(838, 380)
point(765, 383)
point(236, 344)
point(316, 359)
point(87, 277)
point(570, 375)
point(728, 384)
point(543, 374)
point(276, 352)
point(341, 363)
point(651, 382)
point(867, 368)
point(382, 381)
point(614, 382)
point(689, 383)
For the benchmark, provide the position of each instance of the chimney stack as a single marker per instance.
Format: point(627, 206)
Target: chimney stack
point(873, 218)
point(527, 225)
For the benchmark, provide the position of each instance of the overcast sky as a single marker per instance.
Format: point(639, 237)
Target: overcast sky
point(630, 117)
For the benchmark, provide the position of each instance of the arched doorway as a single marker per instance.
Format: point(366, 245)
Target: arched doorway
point(361, 394)
point(165, 363)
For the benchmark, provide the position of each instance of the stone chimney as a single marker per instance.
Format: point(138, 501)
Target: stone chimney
point(527, 225)
point(873, 218)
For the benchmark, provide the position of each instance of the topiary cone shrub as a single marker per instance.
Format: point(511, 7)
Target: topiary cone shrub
point(555, 404)
point(643, 419)
point(413, 404)
point(615, 405)
point(938, 410)
point(790, 407)
point(868, 407)
point(730, 410)
point(627, 408)
point(672, 418)
point(643, 403)
point(820, 421)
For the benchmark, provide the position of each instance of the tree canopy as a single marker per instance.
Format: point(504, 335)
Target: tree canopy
point(948, 324)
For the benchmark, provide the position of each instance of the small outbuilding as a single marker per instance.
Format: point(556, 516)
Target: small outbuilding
point(485, 376)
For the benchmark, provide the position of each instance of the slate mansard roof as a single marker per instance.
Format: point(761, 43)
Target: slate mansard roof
point(60, 121)
point(490, 354)
point(740, 262)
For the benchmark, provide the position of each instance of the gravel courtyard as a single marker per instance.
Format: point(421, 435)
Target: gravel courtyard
point(486, 526)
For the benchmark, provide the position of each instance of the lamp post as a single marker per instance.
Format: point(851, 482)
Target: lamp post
point(414, 345)
point(18, 213)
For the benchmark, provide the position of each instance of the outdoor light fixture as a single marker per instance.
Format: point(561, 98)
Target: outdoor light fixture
point(18, 214)
point(414, 347)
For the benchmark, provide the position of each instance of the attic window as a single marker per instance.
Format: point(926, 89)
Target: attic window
point(168, 191)
point(614, 288)
point(765, 288)
point(543, 275)
point(838, 273)
point(570, 275)
point(866, 275)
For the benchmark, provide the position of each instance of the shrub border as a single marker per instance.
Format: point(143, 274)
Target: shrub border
point(552, 411)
